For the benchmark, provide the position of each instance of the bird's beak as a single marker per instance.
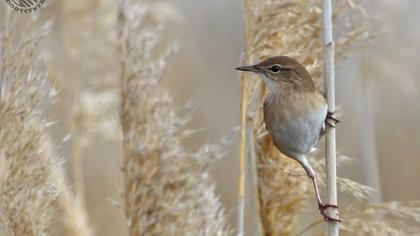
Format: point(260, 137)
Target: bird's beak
point(247, 68)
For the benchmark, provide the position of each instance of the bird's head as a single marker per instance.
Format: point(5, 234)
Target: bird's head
point(281, 72)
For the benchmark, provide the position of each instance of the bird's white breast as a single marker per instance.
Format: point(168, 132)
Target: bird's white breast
point(295, 122)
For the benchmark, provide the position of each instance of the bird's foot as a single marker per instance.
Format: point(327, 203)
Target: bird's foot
point(323, 209)
point(331, 121)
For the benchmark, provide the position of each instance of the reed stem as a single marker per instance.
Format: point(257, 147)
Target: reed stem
point(243, 138)
point(329, 90)
point(242, 158)
point(77, 158)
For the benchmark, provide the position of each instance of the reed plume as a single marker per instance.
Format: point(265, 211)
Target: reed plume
point(27, 189)
point(167, 191)
point(397, 218)
point(34, 195)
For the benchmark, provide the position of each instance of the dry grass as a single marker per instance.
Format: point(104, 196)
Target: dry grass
point(32, 187)
point(388, 218)
point(86, 79)
point(27, 189)
point(167, 191)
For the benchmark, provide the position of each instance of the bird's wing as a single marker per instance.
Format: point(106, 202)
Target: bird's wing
point(265, 112)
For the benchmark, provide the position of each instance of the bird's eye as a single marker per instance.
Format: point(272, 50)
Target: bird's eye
point(275, 68)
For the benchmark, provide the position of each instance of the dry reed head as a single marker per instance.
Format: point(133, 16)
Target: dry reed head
point(167, 190)
point(353, 189)
point(87, 79)
point(93, 115)
point(33, 193)
point(291, 28)
point(387, 218)
point(27, 190)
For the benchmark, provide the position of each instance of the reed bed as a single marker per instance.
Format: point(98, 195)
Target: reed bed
point(166, 189)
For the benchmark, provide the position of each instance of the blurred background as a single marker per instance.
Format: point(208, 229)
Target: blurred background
point(377, 92)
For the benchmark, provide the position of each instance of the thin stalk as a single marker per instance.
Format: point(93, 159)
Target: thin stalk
point(243, 138)
point(122, 50)
point(254, 172)
point(242, 157)
point(77, 154)
point(73, 127)
point(329, 90)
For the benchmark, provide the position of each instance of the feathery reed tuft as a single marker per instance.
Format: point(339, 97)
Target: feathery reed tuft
point(386, 218)
point(167, 191)
point(33, 192)
point(27, 189)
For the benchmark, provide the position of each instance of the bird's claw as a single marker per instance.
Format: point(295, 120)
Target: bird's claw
point(324, 207)
point(331, 121)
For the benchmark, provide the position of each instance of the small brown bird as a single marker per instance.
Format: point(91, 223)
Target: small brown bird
point(295, 112)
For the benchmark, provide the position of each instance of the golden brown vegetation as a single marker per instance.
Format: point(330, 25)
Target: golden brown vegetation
point(32, 186)
point(26, 184)
point(167, 191)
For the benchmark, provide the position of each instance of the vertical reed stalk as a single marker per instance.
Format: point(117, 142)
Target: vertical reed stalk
point(77, 153)
point(329, 90)
point(243, 138)
point(242, 157)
